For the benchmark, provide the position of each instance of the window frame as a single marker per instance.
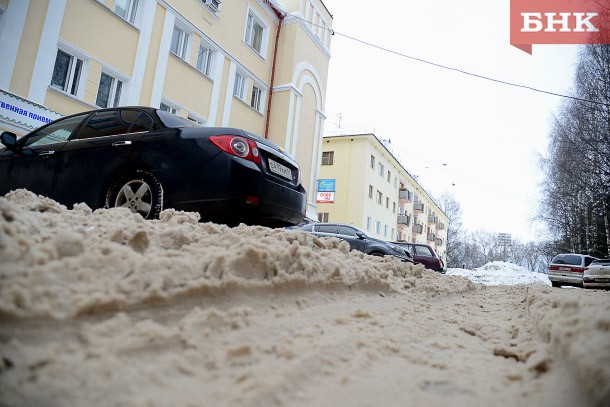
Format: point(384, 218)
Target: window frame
point(252, 18)
point(205, 67)
point(169, 107)
point(184, 42)
point(131, 12)
point(239, 85)
point(328, 157)
point(114, 96)
point(257, 99)
point(75, 81)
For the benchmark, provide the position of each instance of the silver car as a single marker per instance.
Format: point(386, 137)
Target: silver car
point(597, 275)
point(568, 269)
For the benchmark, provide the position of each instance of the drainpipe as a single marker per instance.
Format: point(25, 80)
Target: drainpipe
point(277, 38)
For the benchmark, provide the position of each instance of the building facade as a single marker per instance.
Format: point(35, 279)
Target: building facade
point(260, 65)
point(363, 184)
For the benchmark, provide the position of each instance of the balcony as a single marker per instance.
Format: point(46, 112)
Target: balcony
point(432, 219)
point(431, 237)
point(418, 228)
point(404, 220)
point(404, 194)
point(439, 242)
point(418, 206)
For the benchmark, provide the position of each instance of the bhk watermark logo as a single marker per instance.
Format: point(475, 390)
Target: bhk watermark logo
point(559, 22)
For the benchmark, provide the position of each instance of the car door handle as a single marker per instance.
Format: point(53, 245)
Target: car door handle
point(121, 143)
point(47, 152)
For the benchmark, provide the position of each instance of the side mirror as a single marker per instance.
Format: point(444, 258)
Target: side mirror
point(9, 139)
point(360, 235)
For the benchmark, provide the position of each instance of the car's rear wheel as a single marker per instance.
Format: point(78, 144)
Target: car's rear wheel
point(140, 192)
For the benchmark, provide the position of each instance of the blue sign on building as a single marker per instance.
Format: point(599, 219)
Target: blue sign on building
point(326, 185)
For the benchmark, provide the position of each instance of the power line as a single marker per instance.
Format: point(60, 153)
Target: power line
point(450, 68)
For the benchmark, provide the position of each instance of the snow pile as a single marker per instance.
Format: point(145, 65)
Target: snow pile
point(501, 273)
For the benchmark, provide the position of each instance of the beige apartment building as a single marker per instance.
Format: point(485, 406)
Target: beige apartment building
point(260, 65)
point(363, 184)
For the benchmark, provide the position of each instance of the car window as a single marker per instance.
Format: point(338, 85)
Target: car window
point(112, 122)
point(571, 259)
point(588, 260)
point(602, 262)
point(57, 132)
point(140, 120)
point(327, 229)
point(423, 251)
point(347, 231)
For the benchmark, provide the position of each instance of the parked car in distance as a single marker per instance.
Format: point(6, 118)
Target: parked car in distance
point(357, 239)
point(146, 159)
point(424, 254)
point(597, 275)
point(568, 269)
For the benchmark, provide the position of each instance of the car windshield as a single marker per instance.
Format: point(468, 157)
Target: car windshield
point(571, 259)
point(601, 262)
point(173, 121)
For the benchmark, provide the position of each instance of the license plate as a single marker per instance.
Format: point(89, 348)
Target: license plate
point(565, 269)
point(602, 280)
point(280, 169)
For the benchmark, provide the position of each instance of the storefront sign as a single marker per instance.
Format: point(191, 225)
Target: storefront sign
point(325, 197)
point(23, 113)
point(326, 185)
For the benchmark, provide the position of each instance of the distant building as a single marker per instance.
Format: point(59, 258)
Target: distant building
point(363, 184)
point(260, 65)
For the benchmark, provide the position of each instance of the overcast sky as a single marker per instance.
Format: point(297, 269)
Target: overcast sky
point(476, 139)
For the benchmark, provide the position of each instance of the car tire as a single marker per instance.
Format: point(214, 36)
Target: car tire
point(378, 254)
point(141, 192)
point(556, 284)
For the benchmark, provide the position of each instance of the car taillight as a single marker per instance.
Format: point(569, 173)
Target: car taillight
point(238, 146)
point(553, 268)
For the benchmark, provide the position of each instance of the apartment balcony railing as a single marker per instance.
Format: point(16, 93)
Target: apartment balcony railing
point(404, 220)
point(439, 242)
point(418, 206)
point(432, 219)
point(418, 228)
point(440, 225)
point(405, 194)
point(431, 237)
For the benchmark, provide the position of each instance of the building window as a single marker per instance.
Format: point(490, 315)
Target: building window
point(109, 91)
point(378, 227)
point(394, 207)
point(380, 169)
point(328, 157)
point(323, 217)
point(257, 95)
point(373, 162)
point(126, 9)
point(387, 202)
point(67, 72)
point(369, 223)
point(385, 230)
point(204, 60)
point(371, 191)
point(379, 197)
point(392, 235)
point(180, 40)
point(212, 5)
point(395, 182)
point(240, 85)
point(167, 108)
point(254, 33)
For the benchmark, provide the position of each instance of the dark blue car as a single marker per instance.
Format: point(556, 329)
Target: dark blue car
point(147, 160)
